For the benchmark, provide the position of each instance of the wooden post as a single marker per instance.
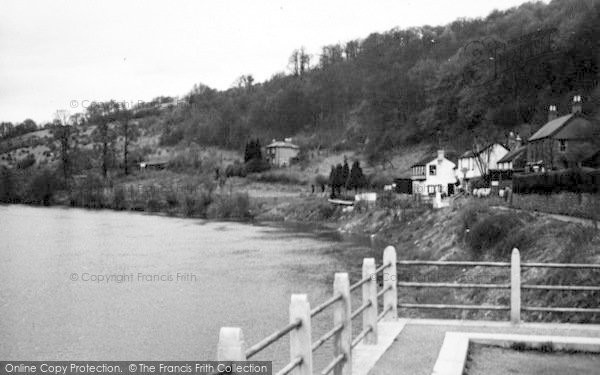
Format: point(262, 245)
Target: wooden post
point(300, 338)
point(515, 287)
point(390, 280)
point(231, 345)
point(369, 294)
point(342, 343)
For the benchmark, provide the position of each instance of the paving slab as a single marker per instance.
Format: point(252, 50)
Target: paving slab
point(415, 350)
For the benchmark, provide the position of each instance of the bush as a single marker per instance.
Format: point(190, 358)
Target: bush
point(235, 170)
point(230, 206)
point(26, 162)
point(88, 192)
point(42, 188)
point(8, 186)
point(195, 203)
point(277, 177)
point(256, 166)
point(491, 232)
point(573, 180)
point(118, 198)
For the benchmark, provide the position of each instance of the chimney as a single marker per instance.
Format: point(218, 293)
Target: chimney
point(518, 140)
point(552, 113)
point(576, 104)
point(512, 141)
point(440, 155)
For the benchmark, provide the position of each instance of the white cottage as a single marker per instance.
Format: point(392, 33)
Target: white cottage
point(474, 164)
point(434, 173)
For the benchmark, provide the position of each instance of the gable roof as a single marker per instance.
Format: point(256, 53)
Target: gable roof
point(512, 155)
point(551, 127)
point(282, 144)
point(472, 154)
point(431, 157)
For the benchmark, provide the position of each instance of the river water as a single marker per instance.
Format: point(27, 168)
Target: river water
point(103, 285)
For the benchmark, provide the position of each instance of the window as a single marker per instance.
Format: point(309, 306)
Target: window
point(432, 170)
point(430, 189)
point(562, 145)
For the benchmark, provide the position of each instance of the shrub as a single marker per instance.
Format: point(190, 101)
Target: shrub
point(195, 203)
point(573, 180)
point(235, 170)
point(490, 232)
point(118, 198)
point(8, 186)
point(230, 206)
point(88, 192)
point(256, 166)
point(42, 188)
point(26, 162)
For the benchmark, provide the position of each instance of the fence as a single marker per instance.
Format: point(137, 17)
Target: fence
point(231, 345)
point(514, 286)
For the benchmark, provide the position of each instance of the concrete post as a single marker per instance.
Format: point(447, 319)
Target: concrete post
point(369, 294)
point(342, 343)
point(515, 287)
point(300, 338)
point(390, 280)
point(372, 237)
point(231, 345)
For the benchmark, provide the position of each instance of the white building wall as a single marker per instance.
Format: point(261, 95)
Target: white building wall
point(444, 175)
point(496, 153)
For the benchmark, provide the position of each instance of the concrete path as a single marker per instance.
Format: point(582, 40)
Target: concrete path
point(416, 348)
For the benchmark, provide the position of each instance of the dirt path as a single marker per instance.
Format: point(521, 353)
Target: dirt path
point(569, 219)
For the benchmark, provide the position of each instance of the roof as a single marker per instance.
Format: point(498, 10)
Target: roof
point(282, 144)
point(472, 154)
point(432, 156)
point(551, 127)
point(512, 155)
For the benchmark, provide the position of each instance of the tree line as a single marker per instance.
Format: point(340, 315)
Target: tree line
point(406, 86)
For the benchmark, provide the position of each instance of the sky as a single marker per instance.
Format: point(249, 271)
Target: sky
point(61, 55)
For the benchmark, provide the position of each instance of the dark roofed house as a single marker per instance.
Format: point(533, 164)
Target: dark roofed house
point(563, 142)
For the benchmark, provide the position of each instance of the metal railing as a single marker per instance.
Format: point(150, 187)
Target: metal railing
point(231, 345)
point(514, 286)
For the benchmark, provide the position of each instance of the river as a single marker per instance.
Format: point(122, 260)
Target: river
point(103, 285)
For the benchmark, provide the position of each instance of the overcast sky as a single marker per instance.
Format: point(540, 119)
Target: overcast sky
point(56, 54)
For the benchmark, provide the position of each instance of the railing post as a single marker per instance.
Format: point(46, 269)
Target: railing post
point(231, 345)
point(369, 294)
point(372, 237)
point(300, 338)
point(342, 315)
point(515, 287)
point(390, 280)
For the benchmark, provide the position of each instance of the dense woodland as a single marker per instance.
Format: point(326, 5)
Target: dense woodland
point(409, 86)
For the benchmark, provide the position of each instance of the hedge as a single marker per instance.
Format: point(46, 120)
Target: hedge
point(572, 180)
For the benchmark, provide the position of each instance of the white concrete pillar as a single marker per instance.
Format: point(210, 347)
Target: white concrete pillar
point(390, 280)
point(231, 345)
point(515, 287)
point(300, 338)
point(369, 294)
point(342, 343)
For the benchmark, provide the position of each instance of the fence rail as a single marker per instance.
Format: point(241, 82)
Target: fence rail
point(515, 286)
point(231, 340)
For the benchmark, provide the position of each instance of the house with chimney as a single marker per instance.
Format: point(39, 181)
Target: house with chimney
point(281, 153)
point(512, 162)
point(479, 162)
point(564, 141)
point(433, 173)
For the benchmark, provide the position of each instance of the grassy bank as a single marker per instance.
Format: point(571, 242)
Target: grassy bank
point(471, 230)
